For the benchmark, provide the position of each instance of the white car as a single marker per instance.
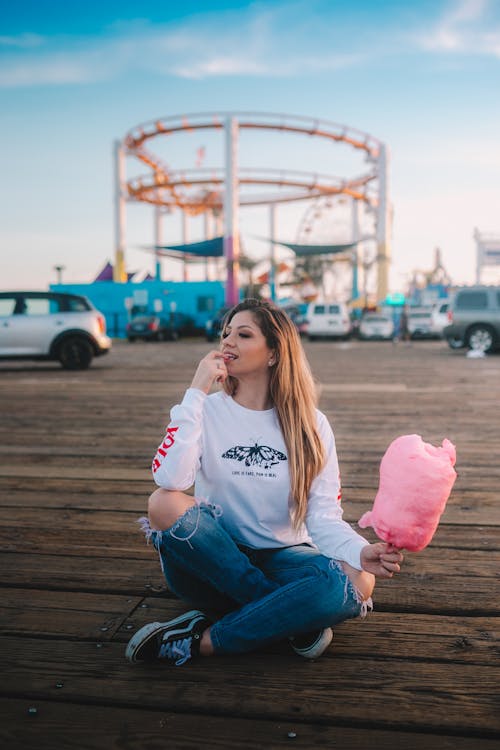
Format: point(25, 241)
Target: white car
point(328, 320)
point(439, 317)
point(376, 326)
point(51, 325)
point(419, 324)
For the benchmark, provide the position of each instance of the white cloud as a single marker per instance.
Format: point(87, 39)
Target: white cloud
point(70, 66)
point(22, 41)
point(467, 27)
point(467, 10)
point(287, 39)
point(220, 65)
point(253, 41)
point(239, 65)
point(54, 70)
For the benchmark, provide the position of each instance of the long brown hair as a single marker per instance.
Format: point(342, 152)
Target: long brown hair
point(293, 394)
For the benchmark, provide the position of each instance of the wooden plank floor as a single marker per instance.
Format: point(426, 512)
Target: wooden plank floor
point(423, 671)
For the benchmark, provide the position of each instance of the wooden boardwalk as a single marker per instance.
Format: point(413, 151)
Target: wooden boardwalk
point(423, 671)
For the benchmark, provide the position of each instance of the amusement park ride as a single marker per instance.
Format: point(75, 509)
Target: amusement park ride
point(220, 192)
point(437, 275)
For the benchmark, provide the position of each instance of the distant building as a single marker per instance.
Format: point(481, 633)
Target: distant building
point(119, 302)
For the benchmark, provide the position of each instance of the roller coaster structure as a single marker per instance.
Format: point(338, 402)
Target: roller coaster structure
point(222, 191)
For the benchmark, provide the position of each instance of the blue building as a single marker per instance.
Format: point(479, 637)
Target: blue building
point(119, 302)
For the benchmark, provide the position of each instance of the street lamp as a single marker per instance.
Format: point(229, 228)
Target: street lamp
point(59, 270)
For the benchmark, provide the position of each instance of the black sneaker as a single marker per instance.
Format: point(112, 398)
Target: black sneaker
point(311, 645)
point(175, 641)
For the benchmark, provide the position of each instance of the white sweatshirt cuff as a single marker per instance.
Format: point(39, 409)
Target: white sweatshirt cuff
point(354, 555)
point(193, 397)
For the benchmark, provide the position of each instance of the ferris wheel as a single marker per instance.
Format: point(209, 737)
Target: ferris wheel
point(340, 220)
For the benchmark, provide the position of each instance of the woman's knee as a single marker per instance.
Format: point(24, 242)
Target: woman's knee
point(362, 581)
point(166, 506)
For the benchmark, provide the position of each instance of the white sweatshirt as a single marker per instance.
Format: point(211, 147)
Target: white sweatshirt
point(236, 458)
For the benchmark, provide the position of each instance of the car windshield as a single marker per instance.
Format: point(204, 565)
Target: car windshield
point(420, 315)
point(376, 319)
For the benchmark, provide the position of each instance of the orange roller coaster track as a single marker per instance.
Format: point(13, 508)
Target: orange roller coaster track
point(159, 188)
point(246, 120)
point(166, 188)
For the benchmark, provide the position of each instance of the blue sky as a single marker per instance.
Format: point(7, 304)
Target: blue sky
point(423, 77)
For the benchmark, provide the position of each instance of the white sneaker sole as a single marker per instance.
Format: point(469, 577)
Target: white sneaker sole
point(320, 645)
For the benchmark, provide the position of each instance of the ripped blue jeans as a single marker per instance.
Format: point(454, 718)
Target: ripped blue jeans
point(253, 596)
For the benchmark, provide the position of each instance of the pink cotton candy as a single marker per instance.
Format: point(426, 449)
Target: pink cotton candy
point(415, 482)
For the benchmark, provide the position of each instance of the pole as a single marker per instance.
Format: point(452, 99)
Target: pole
point(231, 229)
point(383, 224)
point(219, 262)
point(119, 273)
point(355, 239)
point(185, 240)
point(272, 258)
point(366, 266)
point(59, 270)
point(158, 241)
point(208, 226)
point(479, 255)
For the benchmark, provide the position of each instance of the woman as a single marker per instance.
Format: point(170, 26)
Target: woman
point(261, 551)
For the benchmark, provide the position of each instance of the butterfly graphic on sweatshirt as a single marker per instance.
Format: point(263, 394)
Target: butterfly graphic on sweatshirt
point(255, 455)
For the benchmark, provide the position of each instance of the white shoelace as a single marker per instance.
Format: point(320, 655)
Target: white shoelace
point(179, 651)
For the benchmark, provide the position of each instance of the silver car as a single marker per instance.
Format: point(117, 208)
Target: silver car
point(376, 326)
point(53, 326)
point(474, 318)
point(420, 324)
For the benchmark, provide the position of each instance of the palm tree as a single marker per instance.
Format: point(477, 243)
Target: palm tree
point(247, 265)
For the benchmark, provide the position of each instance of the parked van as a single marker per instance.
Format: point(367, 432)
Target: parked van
point(328, 320)
point(474, 318)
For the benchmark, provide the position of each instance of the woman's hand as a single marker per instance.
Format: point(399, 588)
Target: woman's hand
point(211, 369)
point(381, 559)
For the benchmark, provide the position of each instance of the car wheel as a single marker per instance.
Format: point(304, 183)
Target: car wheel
point(455, 343)
point(480, 338)
point(75, 353)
